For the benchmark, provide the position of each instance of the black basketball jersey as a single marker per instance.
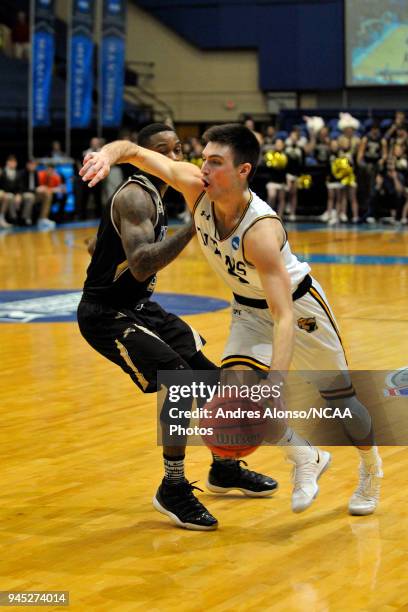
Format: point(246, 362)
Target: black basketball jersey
point(109, 279)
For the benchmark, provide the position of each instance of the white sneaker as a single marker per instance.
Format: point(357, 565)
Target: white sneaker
point(324, 217)
point(292, 217)
point(370, 220)
point(343, 218)
point(366, 497)
point(355, 220)
point(306, 472)
point(46, 224)
point(4, 224)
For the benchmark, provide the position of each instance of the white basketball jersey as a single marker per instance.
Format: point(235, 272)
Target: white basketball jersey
point(227, 256)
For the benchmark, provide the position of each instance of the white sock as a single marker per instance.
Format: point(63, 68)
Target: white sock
point(294, 446)
point(371, 460)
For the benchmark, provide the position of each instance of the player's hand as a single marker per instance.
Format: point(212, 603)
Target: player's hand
point(96, 167)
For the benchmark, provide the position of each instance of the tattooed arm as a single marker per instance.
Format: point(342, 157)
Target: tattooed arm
point(134, 216)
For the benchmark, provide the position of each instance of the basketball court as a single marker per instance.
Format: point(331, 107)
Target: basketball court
point(81, 464)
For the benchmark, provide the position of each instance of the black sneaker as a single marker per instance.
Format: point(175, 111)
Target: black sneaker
point(179, 503)
point(227, 475)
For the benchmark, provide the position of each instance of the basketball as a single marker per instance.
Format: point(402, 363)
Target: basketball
point(235, 427)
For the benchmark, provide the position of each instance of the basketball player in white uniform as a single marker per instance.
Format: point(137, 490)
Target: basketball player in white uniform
point(280, 315)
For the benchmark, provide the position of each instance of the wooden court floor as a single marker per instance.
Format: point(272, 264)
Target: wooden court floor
point(80, 464)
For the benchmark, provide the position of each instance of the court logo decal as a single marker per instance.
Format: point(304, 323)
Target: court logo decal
point(56, 306)
point(307, 324)
point(235, 243)
point(397, 383)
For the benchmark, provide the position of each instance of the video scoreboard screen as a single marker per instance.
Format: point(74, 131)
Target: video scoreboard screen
point(376, 42)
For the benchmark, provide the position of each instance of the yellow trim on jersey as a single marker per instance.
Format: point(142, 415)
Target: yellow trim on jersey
point(325, 306)
point(252, 224)
point(120, 269)
point(234, 229)
point(196, 203)
point(314, 293)
point(249, 360)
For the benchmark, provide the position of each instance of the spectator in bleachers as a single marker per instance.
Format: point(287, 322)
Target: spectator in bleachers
point(276, 161)
point(50, 187)
point(372, 149)
point(349, 182)
point(296, 159)
point(3, 211)
point(250, 124)
point(196, 153)
point(29, 181)
point(57, 154)
point(20, 36)
point(187, 149)
point(399, 121)
point(11, 188)
point(400, 136)
point(404, 215)
point(83, 192)
point(269, 135)
point(319, 147)
point(389, 194)
point(348, 125)
point(334, 187)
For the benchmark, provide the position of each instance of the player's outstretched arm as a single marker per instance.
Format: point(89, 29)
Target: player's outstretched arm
point(135, 216)
point(262, 248)
point(182, 176)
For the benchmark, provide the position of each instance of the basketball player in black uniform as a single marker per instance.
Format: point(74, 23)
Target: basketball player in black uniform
point(118, 319)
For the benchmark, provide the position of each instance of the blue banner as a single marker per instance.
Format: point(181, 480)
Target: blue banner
point(113, 61)
point(43, 49)
point(81, 63)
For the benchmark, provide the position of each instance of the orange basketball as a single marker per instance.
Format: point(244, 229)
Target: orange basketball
point(235, 427)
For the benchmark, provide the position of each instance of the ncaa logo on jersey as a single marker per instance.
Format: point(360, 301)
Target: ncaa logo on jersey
point(397, 383)
point(235, 243)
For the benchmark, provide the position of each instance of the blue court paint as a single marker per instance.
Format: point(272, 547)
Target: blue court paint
point(52, 306)
point(362, 260)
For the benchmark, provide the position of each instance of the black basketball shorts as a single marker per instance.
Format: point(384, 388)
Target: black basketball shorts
point(141, 341)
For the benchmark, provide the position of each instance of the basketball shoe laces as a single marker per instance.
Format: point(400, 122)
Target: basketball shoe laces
point(186, 503)
point(234, 465)
point(368, 485)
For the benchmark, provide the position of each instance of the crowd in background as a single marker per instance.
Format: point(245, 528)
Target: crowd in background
point(33, 194)
point(363, 167)
point(15, 41)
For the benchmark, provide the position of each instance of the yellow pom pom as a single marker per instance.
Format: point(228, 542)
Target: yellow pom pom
point(274, 159)
point(304, 181)
point(341, 167)
point(350, 180)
